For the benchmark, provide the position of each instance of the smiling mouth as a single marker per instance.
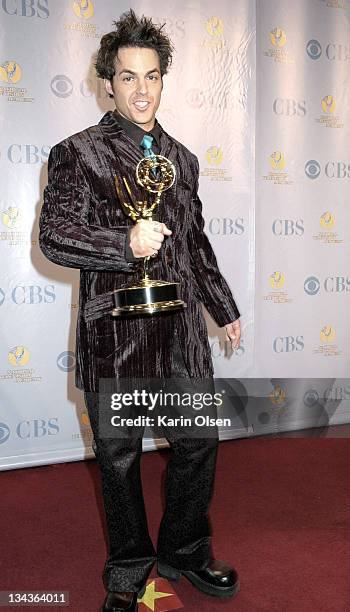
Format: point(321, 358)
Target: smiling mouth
point(141, 104)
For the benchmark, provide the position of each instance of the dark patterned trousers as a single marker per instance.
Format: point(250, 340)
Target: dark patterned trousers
point(184, 539)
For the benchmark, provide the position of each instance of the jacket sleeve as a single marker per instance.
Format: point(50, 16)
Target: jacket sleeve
point(66, 237)
point(215, 292)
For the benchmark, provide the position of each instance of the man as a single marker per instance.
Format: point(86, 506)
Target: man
point(82, 225)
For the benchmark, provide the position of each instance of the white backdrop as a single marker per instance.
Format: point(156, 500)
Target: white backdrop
point(260, 92)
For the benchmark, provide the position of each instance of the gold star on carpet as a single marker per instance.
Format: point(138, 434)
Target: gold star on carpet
point(151, 595)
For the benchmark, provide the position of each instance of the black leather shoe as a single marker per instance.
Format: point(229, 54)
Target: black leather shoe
point(120, 602)
point(217, 578)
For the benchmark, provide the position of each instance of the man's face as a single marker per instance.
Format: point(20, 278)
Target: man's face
point(137, 85)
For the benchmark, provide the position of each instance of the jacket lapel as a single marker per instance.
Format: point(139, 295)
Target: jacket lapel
point(118, 138)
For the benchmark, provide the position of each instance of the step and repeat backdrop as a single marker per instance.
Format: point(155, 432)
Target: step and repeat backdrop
point(259, 91)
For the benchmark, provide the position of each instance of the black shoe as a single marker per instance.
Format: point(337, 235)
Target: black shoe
point(120, 602)
point(216, 579)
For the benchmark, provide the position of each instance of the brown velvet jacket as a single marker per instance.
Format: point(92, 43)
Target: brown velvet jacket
point(82, 225)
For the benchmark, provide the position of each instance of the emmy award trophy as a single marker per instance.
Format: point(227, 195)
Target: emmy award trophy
point(155, 174)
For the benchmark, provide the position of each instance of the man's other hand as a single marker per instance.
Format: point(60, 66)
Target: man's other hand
point(146, 237)
point(233, 331)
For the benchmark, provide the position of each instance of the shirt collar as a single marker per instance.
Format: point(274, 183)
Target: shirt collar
point(135, 132)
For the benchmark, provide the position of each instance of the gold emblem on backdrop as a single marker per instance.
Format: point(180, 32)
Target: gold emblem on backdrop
point(278, 174)
point(276, 280)
point(328, 118)
point(277, 295)
point(327, 334)
point(84, 9)
point(327, 346)
point(214, 26)
point(278, 51)
point(18, 356)
point(277, 161)
point(214, 157)
point(277, 395)
point(327, 235)
point(10, 72)
point(12, 217)
point(278, 37)
point(327, 220)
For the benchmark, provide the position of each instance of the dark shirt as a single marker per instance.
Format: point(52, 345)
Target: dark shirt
point(136, 134)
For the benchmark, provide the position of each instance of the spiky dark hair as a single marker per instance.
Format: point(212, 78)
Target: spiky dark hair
point(133, 31)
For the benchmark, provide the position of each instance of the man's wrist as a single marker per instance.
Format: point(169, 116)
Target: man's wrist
point(129, 255)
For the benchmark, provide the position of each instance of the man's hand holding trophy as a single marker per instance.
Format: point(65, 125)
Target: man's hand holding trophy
point(155, 174)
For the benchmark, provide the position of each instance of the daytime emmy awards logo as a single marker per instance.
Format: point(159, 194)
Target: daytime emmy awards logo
point(276, 280)
point(328, 104)
point(327, 346)
point(278, 174)
point(277, 395)
point(18, 356)
point(213, 170)
point(328, 118)
point(327, 220)
point(12, 217)
point(327, 235)
point(277, 161)
point(10, 72)
point(84, 9)
point(214, 156)
point(327, 334)
point(277, 51)
point(278, 37)
point(214, 26)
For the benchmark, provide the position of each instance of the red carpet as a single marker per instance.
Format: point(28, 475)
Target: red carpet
point(281, 515)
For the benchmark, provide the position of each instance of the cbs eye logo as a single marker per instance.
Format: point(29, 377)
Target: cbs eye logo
point(312, 169)
point(4, 432)
point(61, 86)
point(312, 285)
point(66, 361)
point(314, 49)
point(311, 398)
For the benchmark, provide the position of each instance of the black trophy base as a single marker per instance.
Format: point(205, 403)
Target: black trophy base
point(149, 297)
